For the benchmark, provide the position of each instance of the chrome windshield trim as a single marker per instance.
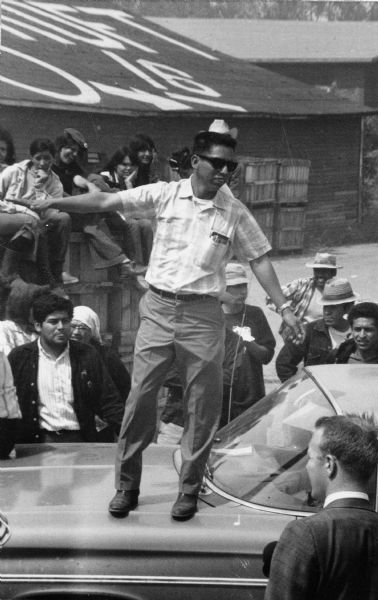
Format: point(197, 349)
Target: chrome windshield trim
point(134, 579)
point(325, 391)
point(261, 507)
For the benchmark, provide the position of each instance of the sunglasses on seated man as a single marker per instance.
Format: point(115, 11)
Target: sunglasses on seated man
point(220, 163)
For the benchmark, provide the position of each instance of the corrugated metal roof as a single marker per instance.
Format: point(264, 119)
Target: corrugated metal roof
point(90, 55)
point(282, 41)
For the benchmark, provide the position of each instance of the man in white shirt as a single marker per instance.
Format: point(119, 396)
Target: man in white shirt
point(200, 225)
point(333, 555)
point(61, 384)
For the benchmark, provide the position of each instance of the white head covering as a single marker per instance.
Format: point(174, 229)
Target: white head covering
point(88, 316)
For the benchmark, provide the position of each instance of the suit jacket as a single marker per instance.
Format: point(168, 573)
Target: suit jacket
point(332, 555)
point(93, 390)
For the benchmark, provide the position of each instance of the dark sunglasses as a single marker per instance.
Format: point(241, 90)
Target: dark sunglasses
point(219, 163)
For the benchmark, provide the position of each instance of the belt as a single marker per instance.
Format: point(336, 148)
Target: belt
point(58, 432)
point(187, 297)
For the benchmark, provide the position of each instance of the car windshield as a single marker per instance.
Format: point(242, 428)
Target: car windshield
point(260, 457)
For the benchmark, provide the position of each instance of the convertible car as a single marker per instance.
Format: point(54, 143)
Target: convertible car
point(59, 542)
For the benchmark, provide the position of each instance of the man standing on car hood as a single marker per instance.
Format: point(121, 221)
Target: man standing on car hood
point(200, 225)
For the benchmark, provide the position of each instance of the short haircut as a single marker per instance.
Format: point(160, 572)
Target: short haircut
point(364, 310)
point(46, 304)
point(41, 145)
point(205, 140)
point(352, 439)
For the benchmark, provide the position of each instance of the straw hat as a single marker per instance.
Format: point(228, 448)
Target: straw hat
point(337, 291)
point(235, 274)
point(323, 260)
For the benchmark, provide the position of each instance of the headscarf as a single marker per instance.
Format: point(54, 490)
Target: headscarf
point(88, 316)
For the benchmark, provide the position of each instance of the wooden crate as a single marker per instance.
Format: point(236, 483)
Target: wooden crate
point(265, 218)
point(79, 261)
point(289, 192)
point(259, 192)
point(290, 227)
point(258, 180)
point(258, 169)
point(294, 169)
point(292, 184)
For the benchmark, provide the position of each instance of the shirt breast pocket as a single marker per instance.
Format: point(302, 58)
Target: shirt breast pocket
point(212, 251)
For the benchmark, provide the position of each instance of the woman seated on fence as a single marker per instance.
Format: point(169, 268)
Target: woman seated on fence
point(42, 238)
point(7, 153)
point(136, 232)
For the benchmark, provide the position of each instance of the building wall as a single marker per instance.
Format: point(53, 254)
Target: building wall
point(348, 80)
point(330, 143)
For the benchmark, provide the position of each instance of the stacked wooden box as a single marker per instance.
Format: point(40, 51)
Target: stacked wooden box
point(114, 300)
point(275, 190)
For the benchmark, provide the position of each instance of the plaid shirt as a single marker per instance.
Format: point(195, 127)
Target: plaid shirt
point(299, 292)
point(194, 238)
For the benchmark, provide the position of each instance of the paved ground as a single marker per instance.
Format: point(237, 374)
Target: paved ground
point(360, 264)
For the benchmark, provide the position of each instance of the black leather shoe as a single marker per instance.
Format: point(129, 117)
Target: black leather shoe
point(185, 507)
point(123, 502)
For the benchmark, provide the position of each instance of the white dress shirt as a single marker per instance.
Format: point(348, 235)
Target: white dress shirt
point(55, 391)
point(342, 495)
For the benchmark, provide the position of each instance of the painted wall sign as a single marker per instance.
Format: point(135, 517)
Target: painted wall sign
point(93, 55)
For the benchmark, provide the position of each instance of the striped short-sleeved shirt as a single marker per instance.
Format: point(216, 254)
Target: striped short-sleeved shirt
point(194, 238)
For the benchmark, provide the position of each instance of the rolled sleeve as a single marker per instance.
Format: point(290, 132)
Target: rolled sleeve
point(249, 242)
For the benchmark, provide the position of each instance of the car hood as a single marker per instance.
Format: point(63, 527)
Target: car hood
point(56, 496)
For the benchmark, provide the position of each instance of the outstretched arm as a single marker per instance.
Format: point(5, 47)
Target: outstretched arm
point(267, 277)
point(94, 201)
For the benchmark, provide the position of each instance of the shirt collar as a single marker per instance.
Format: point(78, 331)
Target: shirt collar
point(48, 356)
point(342, 495)
point(219, 200)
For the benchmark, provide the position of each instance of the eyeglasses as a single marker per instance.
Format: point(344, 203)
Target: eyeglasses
point(219, 163)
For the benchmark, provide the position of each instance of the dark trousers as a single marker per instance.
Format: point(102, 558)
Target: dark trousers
point(57, 232)
point(192, 334)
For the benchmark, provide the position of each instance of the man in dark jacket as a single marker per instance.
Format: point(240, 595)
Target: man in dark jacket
point(61, 384)
point(333, 555)
point(363, 346)
point(323, 335)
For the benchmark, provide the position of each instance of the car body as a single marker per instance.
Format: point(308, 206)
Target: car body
point(64, 545)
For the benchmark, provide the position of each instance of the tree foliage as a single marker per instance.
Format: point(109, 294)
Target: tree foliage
point(303, 10)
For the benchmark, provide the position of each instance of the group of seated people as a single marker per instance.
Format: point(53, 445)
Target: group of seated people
point(34, 245)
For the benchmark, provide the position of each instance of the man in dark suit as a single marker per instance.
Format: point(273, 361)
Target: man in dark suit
point(61, 384)
point(333, 555)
